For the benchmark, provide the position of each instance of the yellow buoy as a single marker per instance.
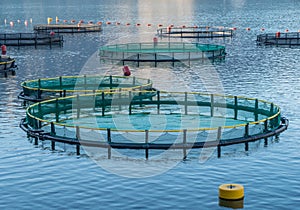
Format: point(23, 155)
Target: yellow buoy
point(49, 20)
point(231, 191)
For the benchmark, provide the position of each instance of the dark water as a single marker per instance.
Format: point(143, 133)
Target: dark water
point(36, 177)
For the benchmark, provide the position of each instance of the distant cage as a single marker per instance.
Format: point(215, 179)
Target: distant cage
point(30, 39)
point(47, 88)
point(279, 39)
point(156, 52)
point(67, 28)
point(68, 120)
point(7, 64)
point(195, 32)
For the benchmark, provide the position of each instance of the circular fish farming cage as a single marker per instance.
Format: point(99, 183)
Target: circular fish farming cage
point(195, 32)
point(7, 64)
point(31, 39)
point(48, 88)
point(153, 120)
point(157, 52)
point(67, 28)
point(279, 39)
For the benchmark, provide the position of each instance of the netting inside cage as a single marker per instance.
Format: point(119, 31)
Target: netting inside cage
point(69, 85)
point(133, 118)
point(160, 52)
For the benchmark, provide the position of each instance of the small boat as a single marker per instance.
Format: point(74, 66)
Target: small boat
point(7, 64)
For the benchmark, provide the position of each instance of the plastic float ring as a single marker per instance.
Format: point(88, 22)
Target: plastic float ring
point(231, 191)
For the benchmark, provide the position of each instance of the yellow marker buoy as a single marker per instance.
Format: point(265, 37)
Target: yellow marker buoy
point(49, 20)
point(231, 191)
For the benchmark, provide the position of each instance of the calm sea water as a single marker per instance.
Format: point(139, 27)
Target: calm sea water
point(36, 177)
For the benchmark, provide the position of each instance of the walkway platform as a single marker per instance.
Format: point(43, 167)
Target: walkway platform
point(67, 28)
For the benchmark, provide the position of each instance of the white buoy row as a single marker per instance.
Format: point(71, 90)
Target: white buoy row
point(12, 23)
point(57, 20)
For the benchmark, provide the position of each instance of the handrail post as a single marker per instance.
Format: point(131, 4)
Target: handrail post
point(57, 111)
point(256, 110)
point(158, 102)
point(52, 132)
point(235, 107)
point(211, 105)
point(103, 104)
point(185, 104)
point(146, 142)
point(130, 98)
point(265, 130)
point(219, 134)
point(184, 144)
point(109, 141)
point(77, 133)
point(246, 135)
point(78, 106)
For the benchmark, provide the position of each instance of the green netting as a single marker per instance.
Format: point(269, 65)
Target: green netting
point(161, 52)
point(157, 113)
point(68, 85)
point(160, 47)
